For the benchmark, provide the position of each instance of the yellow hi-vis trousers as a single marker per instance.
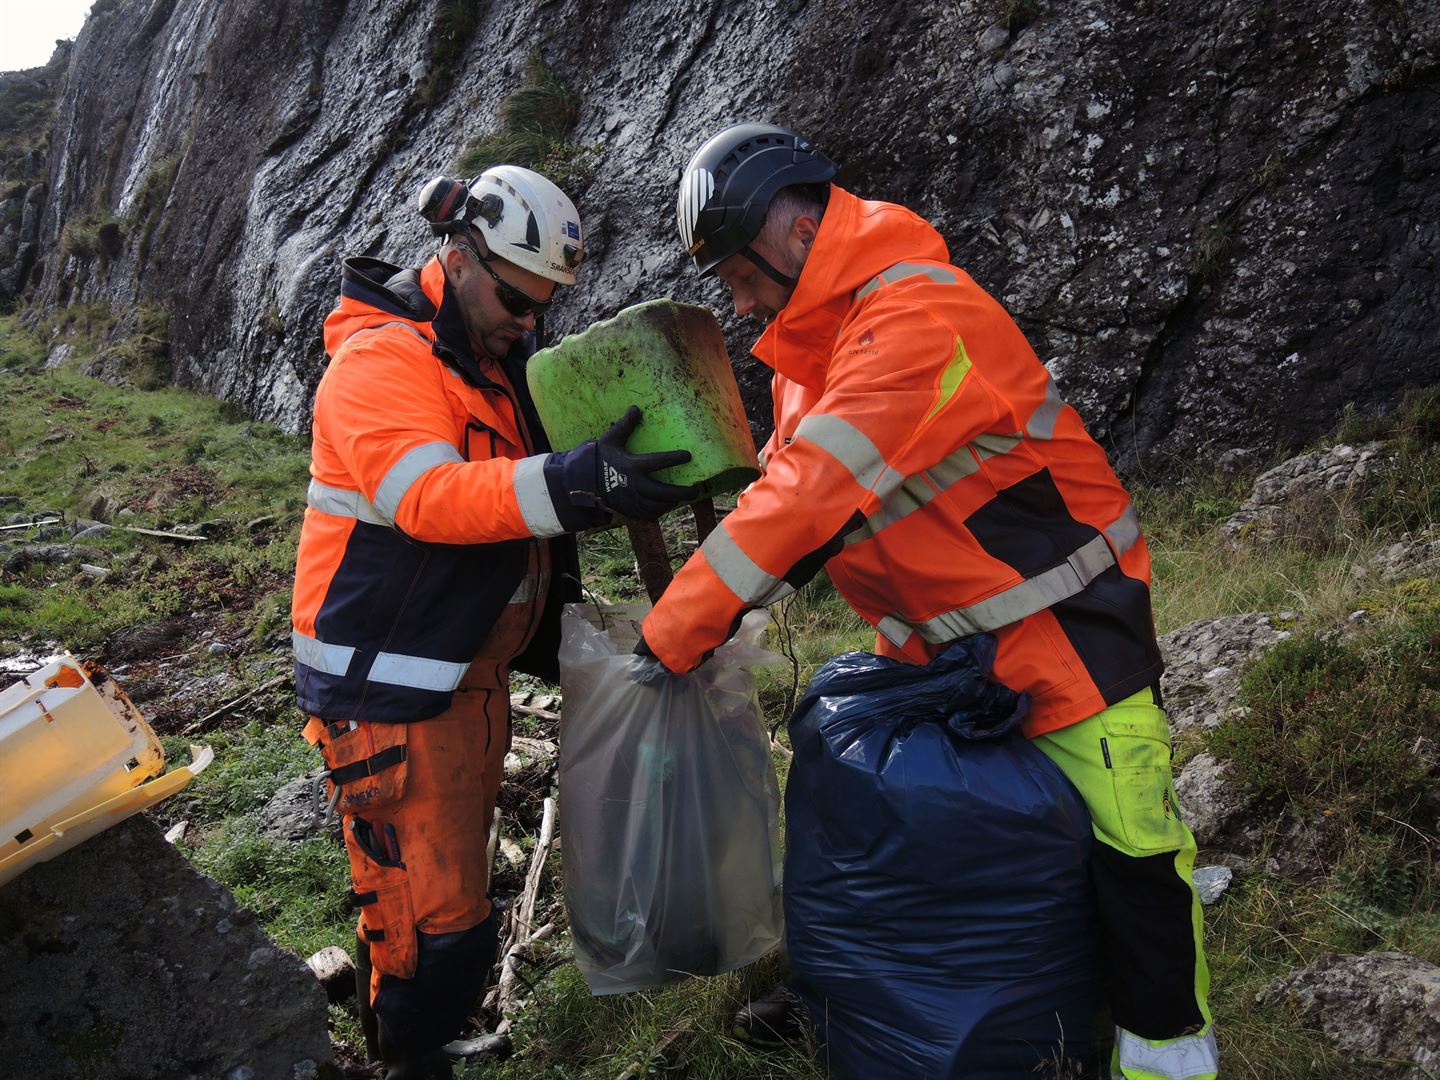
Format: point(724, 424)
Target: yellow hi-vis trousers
point(1149, 912)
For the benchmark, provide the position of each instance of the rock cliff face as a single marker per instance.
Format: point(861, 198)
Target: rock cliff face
point(1217, 221)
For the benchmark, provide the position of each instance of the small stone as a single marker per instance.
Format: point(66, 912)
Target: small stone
point(1212, 881)
point(93, 531)
point(96, 573)
point(994, 39)
point(336, 971)
point(1359, 616)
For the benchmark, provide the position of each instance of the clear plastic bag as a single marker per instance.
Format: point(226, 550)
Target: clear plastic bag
point(669, 810)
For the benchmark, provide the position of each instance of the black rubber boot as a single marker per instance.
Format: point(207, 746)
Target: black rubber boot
point(409, 1065)
point(774, 1019)
point(369, 1022)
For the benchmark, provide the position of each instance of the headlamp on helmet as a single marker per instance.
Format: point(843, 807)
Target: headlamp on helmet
point(524, 218)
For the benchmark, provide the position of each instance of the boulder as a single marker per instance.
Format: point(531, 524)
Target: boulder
point(1286, 499)
point(1413, 555)
point(1384, 1007)
point(1204, 661)
point(120, 959)
point(1212, 802)
point(290, 813)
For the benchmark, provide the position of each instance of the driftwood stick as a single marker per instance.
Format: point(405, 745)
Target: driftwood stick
point(188, 728)
point(520, 930)
point(537, 870)
point(651, 558)
point(704, 514)
point(535, 710)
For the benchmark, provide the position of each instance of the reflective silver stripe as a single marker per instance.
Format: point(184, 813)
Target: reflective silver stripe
point(1041, 424)
point(915, 492)
point(1124, 531)
point(342, 503)
point(851, 447)
point(1190, 1057)
point(313, 653)
point(526, 590)
point(904, 501)
point(1031, 595)
point(899, 271)
point(739, 572)
point(950, 470)
point(896, 631)
point(416, 671)
point(991, 445)
point(412, 465)
point(533, 495)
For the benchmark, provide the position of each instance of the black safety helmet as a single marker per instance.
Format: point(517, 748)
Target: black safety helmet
point(726, 190)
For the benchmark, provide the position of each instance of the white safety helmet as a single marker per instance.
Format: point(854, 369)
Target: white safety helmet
point(524, 218)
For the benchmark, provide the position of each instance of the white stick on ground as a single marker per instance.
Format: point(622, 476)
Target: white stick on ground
point(522, 933)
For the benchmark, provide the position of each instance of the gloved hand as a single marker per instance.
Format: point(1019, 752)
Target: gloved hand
point(646, 668)
point(603, 474)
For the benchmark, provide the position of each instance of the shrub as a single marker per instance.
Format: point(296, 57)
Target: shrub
point(82, 236)
point(535, 121)
point(1339, 724)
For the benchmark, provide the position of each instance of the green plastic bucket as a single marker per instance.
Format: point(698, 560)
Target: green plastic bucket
point(668, 358)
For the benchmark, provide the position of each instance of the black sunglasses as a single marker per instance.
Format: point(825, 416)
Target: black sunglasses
point(511, 299)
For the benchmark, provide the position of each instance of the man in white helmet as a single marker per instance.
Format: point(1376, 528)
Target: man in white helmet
point(435, 554)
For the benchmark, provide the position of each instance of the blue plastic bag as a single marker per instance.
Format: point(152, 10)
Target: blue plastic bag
point(938, 908)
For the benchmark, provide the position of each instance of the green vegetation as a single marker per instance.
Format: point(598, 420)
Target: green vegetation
point(150, 202)
point(1334, 722)
point(1015, 15)
point(93, 234)
point(1213, 241)
point(1339, 734)
point(453, 26)
point(535, 124)
point(27, 108)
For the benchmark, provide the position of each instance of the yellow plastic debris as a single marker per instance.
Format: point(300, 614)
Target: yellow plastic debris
point(75, 758)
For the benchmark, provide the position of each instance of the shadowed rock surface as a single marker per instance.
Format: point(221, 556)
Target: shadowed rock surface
point(121, 960)
point(1379, 1006)
point(1217, 222)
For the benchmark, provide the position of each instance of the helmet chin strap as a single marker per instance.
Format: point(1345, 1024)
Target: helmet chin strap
point(783, 280)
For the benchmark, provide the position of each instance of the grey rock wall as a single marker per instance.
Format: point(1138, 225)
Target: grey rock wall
point(1217, 222)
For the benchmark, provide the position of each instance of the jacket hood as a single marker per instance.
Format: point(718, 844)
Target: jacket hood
point(857, 240)
point(374, 292)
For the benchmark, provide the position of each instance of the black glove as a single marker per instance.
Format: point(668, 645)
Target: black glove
point(603, 474)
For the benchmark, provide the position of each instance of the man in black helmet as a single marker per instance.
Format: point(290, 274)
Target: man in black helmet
point(924, 456)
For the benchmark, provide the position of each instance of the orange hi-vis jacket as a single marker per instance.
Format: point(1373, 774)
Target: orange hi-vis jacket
point(429, 498)
point(923, 455)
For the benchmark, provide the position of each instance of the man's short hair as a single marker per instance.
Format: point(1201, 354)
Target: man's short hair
point(789, 205)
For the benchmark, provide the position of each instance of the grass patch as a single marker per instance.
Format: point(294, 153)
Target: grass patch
point(250, 765)
point(298, 891)
point(20, 350)
point(535, 124)
point(565, 1034)
point(1335, 723)
point(169, 457)
point(143, 358)
point(99, 234)
point(149, 206)
point(452, 27)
